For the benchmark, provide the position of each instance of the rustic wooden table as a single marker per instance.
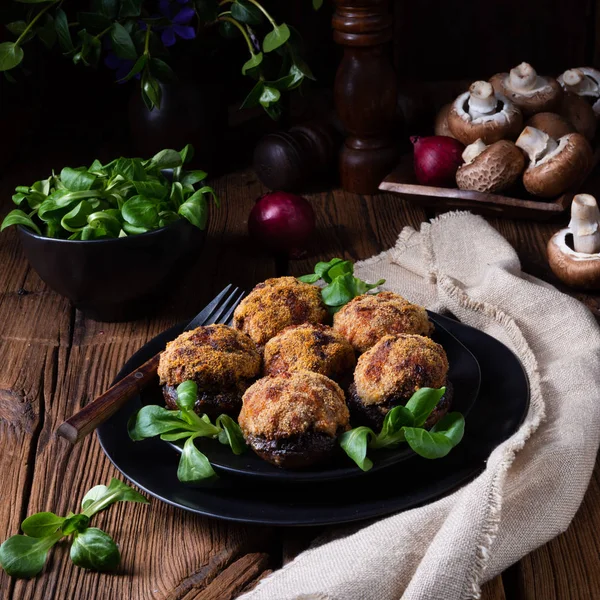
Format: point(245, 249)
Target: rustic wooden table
point(54, 361)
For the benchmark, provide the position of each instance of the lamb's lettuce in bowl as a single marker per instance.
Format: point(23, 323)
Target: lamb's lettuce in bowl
point(125, 197)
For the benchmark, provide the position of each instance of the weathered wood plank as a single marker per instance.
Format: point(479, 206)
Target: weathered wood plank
point(355, 227)
point(29, 344)
point(493, 590)
point(234, 579)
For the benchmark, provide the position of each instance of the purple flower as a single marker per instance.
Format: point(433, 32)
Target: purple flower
point(180, 22)
point(121, 66)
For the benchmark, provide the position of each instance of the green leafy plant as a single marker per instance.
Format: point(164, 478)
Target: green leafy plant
point(24, 556)
point(405, 424)
point(134, 37)
point(340, 283)
point(184, 424)
point(127, 196)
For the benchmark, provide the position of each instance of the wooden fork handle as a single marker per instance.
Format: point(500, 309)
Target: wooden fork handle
point(106, 405)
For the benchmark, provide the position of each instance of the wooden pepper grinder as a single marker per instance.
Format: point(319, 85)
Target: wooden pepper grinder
point(292, 161)
point(366, 93)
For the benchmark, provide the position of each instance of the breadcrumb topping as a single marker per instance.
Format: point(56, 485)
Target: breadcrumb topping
point(367, 318)
point(310, 347)
point(276, 304)
point(290, 404)
point(216, 357)
point(397, 366)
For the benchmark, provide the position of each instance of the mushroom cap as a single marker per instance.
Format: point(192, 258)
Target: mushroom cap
point(573, 268)
point(551, 123)
point(579, 112)
point(544, 98)
point(562, 170)
point(494, 170)
point(441, 121)
point(504, 124)
point(591, 91)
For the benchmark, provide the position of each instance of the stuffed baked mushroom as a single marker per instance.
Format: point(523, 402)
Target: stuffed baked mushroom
point(310, 347)
point(222, 361)
point(366, 319)
point(390, 372)
point(293, 420)
point(276, 304)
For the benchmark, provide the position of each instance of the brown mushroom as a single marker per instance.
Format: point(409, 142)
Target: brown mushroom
point(528, 90)
point(441, 121)
point(574, 253)
point(490, 168)
point(482, 114)
point(585, 82)
point(551, 123)
point(580, 113)
point(555, 165)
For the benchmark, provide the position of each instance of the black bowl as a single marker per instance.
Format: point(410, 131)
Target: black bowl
point(116, 279)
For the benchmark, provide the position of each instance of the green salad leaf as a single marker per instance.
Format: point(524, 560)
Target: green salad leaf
point(231, 434)
point(24, 556)
point(422, 403)
point(127, 196)
point(193, 465)
point(405, 424)
point(341, 284)
point(75, 523)
point(95, 550)
point(42, 524)
point(184, 424)
point(355, 442)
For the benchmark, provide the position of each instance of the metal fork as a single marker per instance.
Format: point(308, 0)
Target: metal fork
point(218, 310)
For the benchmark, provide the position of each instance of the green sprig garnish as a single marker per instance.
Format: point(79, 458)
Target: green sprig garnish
point(24, 556)
point(184, 424)
point(405, 424)
point(130, 29)
point(341, 284)
point(127, 196)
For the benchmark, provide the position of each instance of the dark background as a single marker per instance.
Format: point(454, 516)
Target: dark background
point(57, 105)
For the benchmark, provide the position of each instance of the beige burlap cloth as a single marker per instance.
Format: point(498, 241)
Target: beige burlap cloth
point(533, 482)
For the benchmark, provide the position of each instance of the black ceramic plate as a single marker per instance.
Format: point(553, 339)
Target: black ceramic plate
point(500, 407)
point(464, 374)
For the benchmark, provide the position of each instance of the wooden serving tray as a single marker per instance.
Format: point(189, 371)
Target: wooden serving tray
point(520, 205)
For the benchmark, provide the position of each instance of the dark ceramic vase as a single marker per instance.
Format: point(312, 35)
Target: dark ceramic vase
point(190, 113)
point(118, 279)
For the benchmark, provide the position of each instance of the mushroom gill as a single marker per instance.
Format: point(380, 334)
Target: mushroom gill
point(481, 113)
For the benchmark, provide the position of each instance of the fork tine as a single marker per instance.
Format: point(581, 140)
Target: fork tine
point(209, 309)
point(221, 309)
point(228, 317)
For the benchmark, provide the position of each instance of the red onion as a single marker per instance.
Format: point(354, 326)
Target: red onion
point(281, 222)
point(437, 159)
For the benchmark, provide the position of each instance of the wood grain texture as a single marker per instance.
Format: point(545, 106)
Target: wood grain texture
point(493, 590)
point(96, 412)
